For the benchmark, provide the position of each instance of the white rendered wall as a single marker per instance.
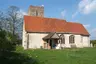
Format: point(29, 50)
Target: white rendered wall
point(77, 40)
point(67, 40)
point(24, 38)
point(86, 41)
point(35, 40)
point(80, 41)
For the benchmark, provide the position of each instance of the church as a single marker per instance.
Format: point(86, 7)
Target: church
point(52, 33)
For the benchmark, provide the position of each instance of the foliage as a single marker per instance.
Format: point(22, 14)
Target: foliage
point(8, 55)
point(11, 20)
point(10, 29)
point(16, 58)
point(19, 48)
point(6, 41)
point(19, 42)
point(93, 43)
point(2, 20)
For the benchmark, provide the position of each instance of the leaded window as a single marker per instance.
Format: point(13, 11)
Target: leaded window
point(62, 39)
point(71, 39)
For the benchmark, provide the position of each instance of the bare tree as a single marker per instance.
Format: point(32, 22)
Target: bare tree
point(14, 20)
point(3, 23)
point(1, 19)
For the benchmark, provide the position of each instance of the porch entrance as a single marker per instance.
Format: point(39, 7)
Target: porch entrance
point(51, 40)
point(52, 43)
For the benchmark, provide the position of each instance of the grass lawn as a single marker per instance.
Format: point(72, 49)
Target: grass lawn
point(66, 56)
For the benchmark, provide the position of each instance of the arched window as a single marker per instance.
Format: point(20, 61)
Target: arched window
point(62, 39)
point(71, 39)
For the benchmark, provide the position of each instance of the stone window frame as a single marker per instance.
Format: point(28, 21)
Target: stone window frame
point(71, 39)
point(62, 38)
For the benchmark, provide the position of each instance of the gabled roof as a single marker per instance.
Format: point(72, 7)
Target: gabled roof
point(51, 36)
point(41, 24)
point(76, 28)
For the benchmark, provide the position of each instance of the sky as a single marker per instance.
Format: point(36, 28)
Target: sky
point(81, 11)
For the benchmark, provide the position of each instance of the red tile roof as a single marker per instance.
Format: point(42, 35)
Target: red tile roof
point(40, 24)
point(76, 28)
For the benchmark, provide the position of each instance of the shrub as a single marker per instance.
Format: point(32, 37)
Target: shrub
point(6, 41)
point(93, 42)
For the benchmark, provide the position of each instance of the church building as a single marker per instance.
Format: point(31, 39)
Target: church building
point(52, 33)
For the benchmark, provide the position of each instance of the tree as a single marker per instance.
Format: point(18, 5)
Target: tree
point(7, 51)
point(2, 20)
point(10, 23)
point(93, 43)
point(14, 20)
point(6, 41)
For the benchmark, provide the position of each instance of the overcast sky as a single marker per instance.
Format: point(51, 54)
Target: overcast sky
point(82, 11)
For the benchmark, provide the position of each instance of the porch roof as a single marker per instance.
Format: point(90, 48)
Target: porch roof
point(51, 36)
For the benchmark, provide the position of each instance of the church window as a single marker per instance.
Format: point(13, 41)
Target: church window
point(71, 39)
point(62, 39)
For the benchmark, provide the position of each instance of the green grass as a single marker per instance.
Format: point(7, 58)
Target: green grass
point(66, 56)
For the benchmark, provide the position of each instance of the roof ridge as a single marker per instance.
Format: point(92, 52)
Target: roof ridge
point(74, 22)
point(55, 18)
point(46, 18)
